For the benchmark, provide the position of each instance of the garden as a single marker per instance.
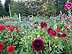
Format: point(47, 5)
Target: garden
point(40, 35)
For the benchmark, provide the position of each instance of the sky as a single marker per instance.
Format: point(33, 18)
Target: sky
point(3, 1)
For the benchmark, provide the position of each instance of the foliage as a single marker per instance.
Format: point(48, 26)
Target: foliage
point(48, 9)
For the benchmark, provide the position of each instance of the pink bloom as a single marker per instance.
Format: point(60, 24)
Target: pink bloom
point(66, 24)
point(68, 19)
point(7, 36)
point(20, 27)
point(64, 15)
point(65, 27)
point(65, 8)
point(68, 5)
point(38, 44)
point(60, 15)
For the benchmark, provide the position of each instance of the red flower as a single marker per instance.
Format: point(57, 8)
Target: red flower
point(61, 40)
point(10, 49)
point(59, 35)
point(48, 30)
point(53, 33)
point(63, 35)
point(57, 30)
point(38, 44)
point(2, 21)
point(2, 27)
point(7, 26)
point(36, 23)
point(43, 24)
point(1, 46)
point(17, 31)
point(11, 29)
point(14, 27)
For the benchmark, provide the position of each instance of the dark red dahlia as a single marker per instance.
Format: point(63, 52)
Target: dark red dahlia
point(63, 35)
point(38, 44)
point(59, 35)
point(17, 31)
point(48, 30)
point(11, 29)
point(43, 24)
point(53, 33)
point(10, 49)
point(1, 46)
point(36, 23)
point(35, 27)
point(7, 26)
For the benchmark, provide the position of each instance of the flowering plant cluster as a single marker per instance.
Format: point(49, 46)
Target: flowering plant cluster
point(38, 38)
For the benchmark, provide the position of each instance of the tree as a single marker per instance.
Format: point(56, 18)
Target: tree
point(7, 2)
point(1, 9)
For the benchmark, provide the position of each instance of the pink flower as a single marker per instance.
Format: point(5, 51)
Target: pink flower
point(60, 15)
point(38, 44)
point(66, 24)
point(65, 8)
point(7, 36)
point(68, 5)
point(71, 20)
point(20, 27)
point(64, 15)
point(68, 19)
point(65, 27)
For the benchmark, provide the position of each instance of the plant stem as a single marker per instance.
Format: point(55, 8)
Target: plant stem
point(12, 37)
point(49, 46)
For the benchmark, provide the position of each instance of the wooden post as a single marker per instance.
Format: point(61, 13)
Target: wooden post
point(19, 17)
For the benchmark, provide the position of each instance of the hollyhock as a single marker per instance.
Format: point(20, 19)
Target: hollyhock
point(64, 15)
point(38, 44)
point(65, 8)
point(60, 15)
point(66, 24)
point(17, 31)
point(68, 5)
point(68, 31)
point(7, 36)
point(63, 35)
point(68, 19)
point(48, 30)
point(20, 27)
point(7, 26)
point(71, 20)
point(10, 49)
point(53, 33)
point(11, 29)
point(43, 24)
point(35, 27)
point(57, 30)
point(1, 46)
point(36, 23)
point(65, 27)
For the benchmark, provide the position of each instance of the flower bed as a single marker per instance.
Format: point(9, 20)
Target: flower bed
point(41, 39)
